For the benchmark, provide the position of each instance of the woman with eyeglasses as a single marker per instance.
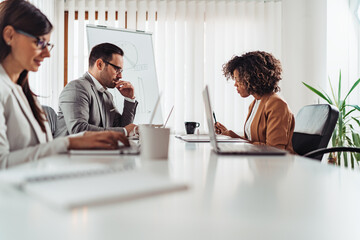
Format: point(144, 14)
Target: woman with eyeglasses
point(24, 131)
point(269, 120)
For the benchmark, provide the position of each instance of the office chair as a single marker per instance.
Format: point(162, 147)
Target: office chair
point(314, 125)
point(51, 117)
point(322, 151)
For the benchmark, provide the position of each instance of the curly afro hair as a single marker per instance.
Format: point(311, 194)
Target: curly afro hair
point(259, 72)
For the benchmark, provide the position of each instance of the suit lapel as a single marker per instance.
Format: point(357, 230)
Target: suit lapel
point(99, 101)
point(25, 107)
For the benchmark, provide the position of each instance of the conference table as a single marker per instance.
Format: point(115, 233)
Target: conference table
point(228, 197)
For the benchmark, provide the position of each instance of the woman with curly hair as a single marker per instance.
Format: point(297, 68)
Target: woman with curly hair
point(269, 120)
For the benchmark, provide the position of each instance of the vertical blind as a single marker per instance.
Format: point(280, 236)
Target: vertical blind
point(192, 40)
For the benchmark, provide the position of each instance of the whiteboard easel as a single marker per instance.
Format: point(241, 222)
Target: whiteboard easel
point(139, 67)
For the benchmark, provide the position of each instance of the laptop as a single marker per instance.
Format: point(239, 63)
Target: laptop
point(233, 148)
point(135, 136)
point(133, 149)
point(135, 145)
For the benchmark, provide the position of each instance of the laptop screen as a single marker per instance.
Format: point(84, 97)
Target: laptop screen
point(209, 118)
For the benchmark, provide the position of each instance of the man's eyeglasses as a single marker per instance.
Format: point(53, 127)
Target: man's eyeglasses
point(40, 44)
point(117, 68)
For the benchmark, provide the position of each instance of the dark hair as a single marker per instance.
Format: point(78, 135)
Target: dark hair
point(104, 51)
point(22, 15)
point(259, 71)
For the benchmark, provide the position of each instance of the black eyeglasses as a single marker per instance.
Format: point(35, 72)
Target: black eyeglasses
point(117, 68)
point(40, 44)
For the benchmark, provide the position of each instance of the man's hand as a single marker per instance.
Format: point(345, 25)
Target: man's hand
point(131, 129)
point(126, 89)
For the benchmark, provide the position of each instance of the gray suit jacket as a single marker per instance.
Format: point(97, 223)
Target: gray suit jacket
point(81, 109)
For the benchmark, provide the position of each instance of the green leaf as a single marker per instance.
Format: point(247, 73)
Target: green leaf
point(349, 141)
point(333, 138)
point(356, 139)
point(345, 159)
point(349, 112)
point(352, 160)
point(356, 120)
point(352, 88)
point(342, 106)
point(357, 157)
point(354, 106)
point(318, 93)
point(328, 97)
point(339, 89)
point(333, 94)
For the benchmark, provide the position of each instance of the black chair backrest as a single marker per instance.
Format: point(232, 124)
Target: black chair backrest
point(51, 117)
point(314, 125)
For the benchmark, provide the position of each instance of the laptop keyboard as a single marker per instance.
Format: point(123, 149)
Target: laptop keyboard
point(232, 148)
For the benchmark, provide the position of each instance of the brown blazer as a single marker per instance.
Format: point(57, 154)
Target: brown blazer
point(273, 123)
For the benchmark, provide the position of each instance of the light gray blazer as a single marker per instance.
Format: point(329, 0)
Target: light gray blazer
point(80, 109)
point(21, 138)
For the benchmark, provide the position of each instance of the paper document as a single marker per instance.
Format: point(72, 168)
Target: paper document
point(206, 138)
point(101, 189)
point(87, 184)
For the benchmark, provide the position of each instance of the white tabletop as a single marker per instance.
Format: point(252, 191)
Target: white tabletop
point(229, 197)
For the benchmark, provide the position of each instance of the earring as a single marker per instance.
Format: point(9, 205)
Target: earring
point(8, 43)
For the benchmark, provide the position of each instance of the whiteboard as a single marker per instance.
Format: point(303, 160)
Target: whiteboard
point(139, 67)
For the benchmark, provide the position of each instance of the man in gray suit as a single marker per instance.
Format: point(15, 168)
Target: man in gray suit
point(86, 105)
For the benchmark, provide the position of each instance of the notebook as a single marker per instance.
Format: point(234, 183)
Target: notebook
point(233, 148)
point(90, 184)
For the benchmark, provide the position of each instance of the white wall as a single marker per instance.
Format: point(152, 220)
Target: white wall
point(343, 45)
point(303, 50)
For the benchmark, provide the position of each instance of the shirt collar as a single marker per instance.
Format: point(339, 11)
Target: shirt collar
point(98, 85)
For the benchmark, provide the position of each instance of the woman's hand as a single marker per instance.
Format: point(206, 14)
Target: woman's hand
point(98, 140)
point(219, 128)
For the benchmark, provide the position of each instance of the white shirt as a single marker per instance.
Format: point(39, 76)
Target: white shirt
point(251, 118)
point(100, 88)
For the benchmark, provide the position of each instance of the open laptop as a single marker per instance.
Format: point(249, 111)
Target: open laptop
point(135, 136)
point(133, 149)
point(135, 145)
point(233, 148)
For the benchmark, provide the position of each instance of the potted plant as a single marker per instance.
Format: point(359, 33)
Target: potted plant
point(346, 130)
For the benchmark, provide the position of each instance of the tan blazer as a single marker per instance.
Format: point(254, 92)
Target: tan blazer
point(273, 123)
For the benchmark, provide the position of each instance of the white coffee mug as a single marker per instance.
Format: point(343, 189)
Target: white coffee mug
point(154, 142)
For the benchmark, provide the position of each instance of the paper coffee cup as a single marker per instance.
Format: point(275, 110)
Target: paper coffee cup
point(154, 142)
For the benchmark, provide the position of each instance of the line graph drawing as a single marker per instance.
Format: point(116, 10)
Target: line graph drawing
point(131, 64)
point(131, 56)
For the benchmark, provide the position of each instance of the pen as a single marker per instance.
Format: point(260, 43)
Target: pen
point(214, 117)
